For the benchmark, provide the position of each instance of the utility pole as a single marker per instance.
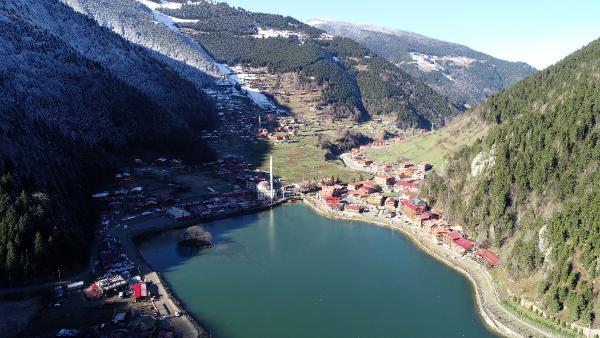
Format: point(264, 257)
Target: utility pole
point(59, 280)
point(271, 177)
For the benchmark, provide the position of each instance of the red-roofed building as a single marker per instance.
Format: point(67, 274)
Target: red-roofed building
point(488, 258)
point(333, 202)
point(370, 187)
point(449, 237)
point(462, 245)
point(140, 292)
point(410, 209)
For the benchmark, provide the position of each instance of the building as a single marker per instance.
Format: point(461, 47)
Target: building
point(370, 187)
point(375, 200)
point(332, 190)
point(390, 203)
point(487, 258)
point(140, 292)
point(354, 186)
point(385, 181)
point(263, 190)
point(354, 208)
point(333, 202)
point(179, 214)
point(410, 209)
point(462, 245)
point(449, 237)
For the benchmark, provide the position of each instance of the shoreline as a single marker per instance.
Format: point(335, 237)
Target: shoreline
point(486, 297)
point(193, 326)
point(491, 319)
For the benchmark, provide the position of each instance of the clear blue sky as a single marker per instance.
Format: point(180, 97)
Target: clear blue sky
point(537, 32)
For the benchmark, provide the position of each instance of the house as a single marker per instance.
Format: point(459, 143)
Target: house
point(423, 166)
point(410, 209)
point(332, 190)
point(462, 245)
point(375, 200)
point(263, 190)
point(140, 292)
point(354, 186)
point(370, 187)
point(405, 187)
point(423, 217)
point(354, 208)
point(358, 196)
point(333, 202)
point(385, 181)
point(449, 237)
point(179, 214)
point(487, 258)
point(390, 203)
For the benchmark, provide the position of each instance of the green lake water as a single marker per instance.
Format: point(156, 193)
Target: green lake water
point(291, 273)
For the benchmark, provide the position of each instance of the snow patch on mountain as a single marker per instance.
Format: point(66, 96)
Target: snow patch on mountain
point(426, 63)
point(236, 76)
point(263, 33)
point(163, 4)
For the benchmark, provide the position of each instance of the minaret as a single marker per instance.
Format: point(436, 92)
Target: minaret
point(271, 177)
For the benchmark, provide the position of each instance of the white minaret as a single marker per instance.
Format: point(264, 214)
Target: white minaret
point(271, 177)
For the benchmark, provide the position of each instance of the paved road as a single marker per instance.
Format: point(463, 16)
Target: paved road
point(496, 315)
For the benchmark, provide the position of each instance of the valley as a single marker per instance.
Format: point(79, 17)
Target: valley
point(125, 121)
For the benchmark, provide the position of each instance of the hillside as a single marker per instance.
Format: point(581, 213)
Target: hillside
point(68, 115)
point(464, 75)
point(531, 187)
point(354, 82)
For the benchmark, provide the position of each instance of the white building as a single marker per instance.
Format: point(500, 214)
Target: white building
point(263, 190)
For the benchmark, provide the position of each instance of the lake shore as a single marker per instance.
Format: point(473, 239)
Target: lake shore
point(187, 323)
point(487, 299)
point(488, 302)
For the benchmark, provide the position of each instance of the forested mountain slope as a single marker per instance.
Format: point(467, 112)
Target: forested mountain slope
point(532, 186)
point(138, 24)
point(455, 71)
point(356, 82)
point(65, 120)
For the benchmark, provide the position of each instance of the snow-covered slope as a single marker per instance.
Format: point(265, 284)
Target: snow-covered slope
point(458, 72)
point(142, 23)
point(129, 63)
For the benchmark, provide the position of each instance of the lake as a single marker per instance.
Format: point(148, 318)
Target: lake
point(289, 272)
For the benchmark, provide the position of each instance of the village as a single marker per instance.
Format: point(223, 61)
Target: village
point(125, 296)
point(392, 196)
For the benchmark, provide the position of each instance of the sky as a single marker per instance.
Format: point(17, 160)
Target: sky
point(537, 32)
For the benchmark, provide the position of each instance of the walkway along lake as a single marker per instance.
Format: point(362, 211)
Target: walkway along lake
point(289, 272)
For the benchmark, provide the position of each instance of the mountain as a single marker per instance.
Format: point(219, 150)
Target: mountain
point(531, 187)
point(464, 75)
point(353, 82)
point(75, 100)
point(140, 24)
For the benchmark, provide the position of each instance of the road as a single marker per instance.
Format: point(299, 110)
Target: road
point(488, 299)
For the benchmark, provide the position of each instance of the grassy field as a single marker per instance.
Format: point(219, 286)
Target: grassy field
point(433, 147)
point(295, 162)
